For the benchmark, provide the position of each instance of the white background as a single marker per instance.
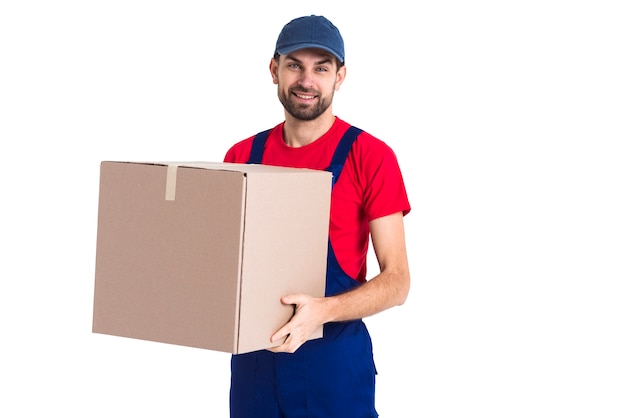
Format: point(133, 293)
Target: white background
point(508, 119)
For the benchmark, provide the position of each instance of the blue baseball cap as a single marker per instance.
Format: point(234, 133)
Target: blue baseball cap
point(310, 32)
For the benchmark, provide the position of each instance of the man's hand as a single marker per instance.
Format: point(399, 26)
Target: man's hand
point(307, 318)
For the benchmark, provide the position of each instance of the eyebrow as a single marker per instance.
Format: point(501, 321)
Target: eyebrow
point(325, 60)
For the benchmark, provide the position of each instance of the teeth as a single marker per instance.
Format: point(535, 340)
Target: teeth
point(302, 96)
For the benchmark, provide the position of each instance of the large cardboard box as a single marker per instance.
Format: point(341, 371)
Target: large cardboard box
point(199, 254)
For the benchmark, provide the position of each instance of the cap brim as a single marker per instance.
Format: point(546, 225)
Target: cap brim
point(289, 49)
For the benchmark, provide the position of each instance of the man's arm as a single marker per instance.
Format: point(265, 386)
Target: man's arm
point(387, 289)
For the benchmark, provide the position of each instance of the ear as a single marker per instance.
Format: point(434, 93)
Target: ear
point(274, 70)
point(341, 75)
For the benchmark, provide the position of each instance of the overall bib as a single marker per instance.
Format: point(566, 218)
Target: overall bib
point(329, 377)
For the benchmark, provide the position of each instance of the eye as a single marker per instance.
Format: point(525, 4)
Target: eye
point(322, 69)
point(293, 66)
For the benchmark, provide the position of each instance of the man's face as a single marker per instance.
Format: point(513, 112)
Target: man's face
point(307, 80)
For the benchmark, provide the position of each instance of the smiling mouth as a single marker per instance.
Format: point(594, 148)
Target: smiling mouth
point(305, 96)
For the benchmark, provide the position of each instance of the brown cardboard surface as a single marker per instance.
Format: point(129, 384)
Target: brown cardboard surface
point(198, 254)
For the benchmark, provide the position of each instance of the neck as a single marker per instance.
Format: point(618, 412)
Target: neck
point(298, 133)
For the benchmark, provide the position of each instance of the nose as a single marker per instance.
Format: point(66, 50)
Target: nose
point(306, 79)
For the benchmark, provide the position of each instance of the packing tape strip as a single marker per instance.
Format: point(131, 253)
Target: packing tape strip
point(170, 182)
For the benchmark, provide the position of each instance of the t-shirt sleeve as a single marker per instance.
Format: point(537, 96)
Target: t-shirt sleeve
point(240, 152)
point(383, 185)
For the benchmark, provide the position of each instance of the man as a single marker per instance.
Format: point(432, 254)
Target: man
point(333, 376)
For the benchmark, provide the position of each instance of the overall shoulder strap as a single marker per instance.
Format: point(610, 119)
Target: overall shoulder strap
point(258, 146)
point(342, 151)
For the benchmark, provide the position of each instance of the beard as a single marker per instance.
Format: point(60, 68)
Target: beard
point(300, 111)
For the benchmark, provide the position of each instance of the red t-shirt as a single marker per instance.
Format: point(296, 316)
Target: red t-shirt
point(369, 187)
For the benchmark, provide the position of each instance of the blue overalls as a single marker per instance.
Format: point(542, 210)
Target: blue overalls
point(329, 377)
